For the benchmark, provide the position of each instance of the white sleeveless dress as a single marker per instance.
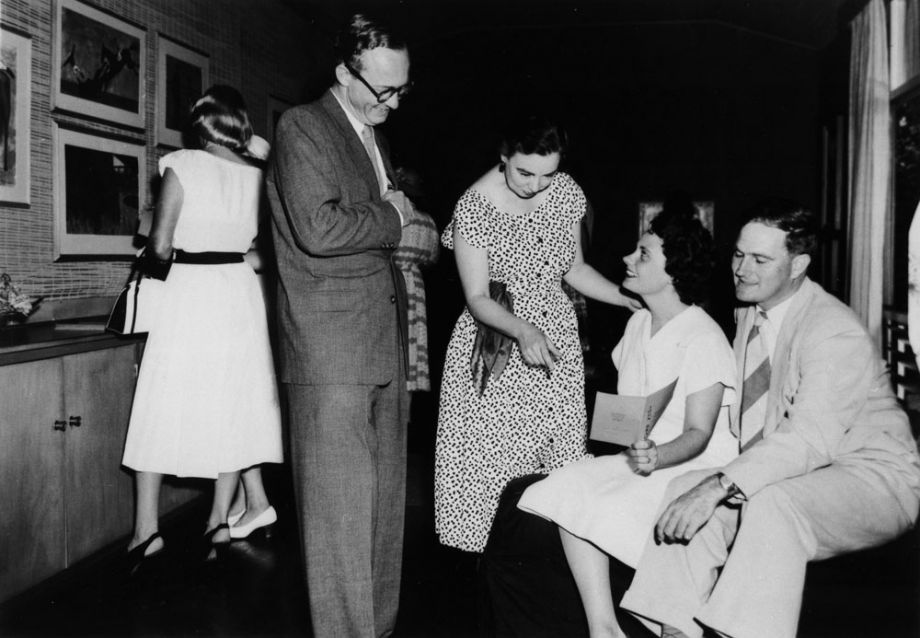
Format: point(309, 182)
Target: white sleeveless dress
point(206, 400)
point(601, 499)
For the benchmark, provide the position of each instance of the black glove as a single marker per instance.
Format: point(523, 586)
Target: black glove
point(152, 266)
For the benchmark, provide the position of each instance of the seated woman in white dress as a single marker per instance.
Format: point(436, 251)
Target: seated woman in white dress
point(607, 505)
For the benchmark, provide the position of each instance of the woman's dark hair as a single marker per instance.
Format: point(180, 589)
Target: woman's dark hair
point(363, 34)
point(534, 135)
point(219, 116)
point(687, 247)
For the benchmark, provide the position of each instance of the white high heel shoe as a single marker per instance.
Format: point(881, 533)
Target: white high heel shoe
point(233, 519)
point(263, 521)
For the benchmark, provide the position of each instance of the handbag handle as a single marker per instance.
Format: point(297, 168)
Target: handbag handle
point(148, 264)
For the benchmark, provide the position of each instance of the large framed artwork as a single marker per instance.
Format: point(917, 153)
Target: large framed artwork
point(99, 64)
point(705, 212)
point(182, 76)
point(15, 101)
point(99, 187)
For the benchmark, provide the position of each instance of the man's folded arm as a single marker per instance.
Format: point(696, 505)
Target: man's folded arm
point(320, 224)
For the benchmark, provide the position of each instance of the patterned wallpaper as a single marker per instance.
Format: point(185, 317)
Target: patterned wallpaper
point(262, 47)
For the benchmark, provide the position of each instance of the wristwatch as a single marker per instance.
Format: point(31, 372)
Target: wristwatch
point(728, 485)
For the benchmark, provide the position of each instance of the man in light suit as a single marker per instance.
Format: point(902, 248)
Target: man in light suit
point(828, 463)
point(342, 314)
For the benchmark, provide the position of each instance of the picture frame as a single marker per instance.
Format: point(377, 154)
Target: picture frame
point(99, 65)
point(182, 76)
point(705, 212)
point(100, 186)
point(15, 125)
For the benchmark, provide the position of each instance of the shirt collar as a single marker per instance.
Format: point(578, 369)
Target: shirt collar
point(355, 123)
point(777, 313)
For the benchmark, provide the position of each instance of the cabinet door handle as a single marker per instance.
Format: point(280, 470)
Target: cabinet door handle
point(60, 425)
point(76, 421)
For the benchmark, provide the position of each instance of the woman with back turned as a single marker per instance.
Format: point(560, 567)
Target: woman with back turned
point(206, 403)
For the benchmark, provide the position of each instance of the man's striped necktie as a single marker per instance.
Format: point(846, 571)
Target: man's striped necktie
point(756, 384)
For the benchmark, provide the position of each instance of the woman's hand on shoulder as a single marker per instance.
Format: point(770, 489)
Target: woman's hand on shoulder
point(630, 302)
point(642, 457)
point(536, 348)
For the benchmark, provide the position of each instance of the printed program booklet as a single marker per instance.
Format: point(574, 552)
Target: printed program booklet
point(623, 420)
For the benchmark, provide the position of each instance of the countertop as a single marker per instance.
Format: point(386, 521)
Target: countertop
point(22, 343)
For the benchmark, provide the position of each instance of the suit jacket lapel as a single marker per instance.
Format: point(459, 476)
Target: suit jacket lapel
point(354, 146)
point(779, 361)
point(782, 355)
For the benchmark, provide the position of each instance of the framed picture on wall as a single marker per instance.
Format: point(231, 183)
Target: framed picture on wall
point(100, 185)
point(15, 108)
point(99, 65)
point(705, 212)
point(182, 76)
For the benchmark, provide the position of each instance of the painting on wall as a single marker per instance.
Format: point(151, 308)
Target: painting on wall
point(15, 130)
point(99, 188)
point(705, 212)
point(99, 64)
point(182, 76)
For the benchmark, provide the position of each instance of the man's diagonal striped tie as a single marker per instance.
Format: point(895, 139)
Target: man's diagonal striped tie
point(370, 145)
point(756, 383)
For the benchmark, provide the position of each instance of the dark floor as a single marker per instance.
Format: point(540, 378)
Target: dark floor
point(256, 589)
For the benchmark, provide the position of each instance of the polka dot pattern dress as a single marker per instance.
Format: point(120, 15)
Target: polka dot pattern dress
point(527, 421)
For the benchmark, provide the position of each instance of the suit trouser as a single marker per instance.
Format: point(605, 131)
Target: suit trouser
point(838, 509)
point(348, 451)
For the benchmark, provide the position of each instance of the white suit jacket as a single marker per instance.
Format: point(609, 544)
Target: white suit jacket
point(830, 401)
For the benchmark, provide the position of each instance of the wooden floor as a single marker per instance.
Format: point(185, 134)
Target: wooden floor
point(256, 589)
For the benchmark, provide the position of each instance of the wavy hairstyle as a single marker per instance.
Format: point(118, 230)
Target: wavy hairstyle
point(220, 116)
point(688, 250)
point(363, 34)
point(798, 223)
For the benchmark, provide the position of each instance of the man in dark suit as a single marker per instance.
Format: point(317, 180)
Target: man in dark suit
point(342, 313)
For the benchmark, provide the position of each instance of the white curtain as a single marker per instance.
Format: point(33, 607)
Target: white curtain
point(870, 164)
point(904, 34)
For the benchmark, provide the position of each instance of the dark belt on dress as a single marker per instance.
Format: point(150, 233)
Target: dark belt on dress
point(209, 258)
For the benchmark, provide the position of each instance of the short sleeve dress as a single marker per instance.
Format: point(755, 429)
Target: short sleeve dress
point(601, 499)
point(527, 420)
point(206, 400)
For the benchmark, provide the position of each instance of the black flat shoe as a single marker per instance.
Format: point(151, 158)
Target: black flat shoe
point(136, 557)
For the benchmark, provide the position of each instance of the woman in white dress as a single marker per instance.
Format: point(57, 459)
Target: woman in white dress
point(607, 505)
point(206, 403)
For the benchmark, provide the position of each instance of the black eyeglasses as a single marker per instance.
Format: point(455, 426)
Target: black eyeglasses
point(385, 94)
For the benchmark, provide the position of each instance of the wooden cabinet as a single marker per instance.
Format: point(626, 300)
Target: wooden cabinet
point(98, 492)
point(31, 474)
point(63, 491)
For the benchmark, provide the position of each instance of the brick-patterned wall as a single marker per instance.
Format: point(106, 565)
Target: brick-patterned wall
point(262, 47)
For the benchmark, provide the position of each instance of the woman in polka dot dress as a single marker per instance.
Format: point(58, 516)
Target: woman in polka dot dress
point(519, 225)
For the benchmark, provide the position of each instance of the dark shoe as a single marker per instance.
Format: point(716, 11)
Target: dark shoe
point(212, 548)
point(211, 533)
point(138, 555)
